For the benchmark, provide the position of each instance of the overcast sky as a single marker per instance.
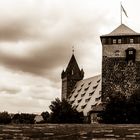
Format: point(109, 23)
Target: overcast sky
point(36, 39)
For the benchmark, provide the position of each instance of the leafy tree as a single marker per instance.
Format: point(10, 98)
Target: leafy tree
point(122, 109)
point(134, 108)
point(63, 112)
point(5, 118)
point(23, 118)
point(45, 115)
point(115, 110)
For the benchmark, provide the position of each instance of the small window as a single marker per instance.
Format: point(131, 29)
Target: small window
point(83, 106)
point(92, 106)
point(86, 88)
point(82, 85)
point(86, 100)
point(119, 41)
point(114, 41)
point(97, 99)
point(130, 52)
point(83, 94)
point(79, 100)
point(75, 96)
point(72, 72)
point(131, 40)
point(79, 89)
point(95, 87)
point(90, 94)
point(89, 83)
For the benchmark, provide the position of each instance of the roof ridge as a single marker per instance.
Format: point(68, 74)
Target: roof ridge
point(122, 30)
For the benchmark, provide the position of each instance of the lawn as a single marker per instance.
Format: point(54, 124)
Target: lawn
point(70, 132)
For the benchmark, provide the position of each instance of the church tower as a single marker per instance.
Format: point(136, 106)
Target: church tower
point(120, 62)
point(70, 77)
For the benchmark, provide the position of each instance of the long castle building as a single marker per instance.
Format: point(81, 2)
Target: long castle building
point(120, 73)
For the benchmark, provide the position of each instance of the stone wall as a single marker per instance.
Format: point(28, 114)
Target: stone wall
point(119, 76)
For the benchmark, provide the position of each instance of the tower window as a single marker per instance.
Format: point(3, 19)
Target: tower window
point(114, 41)
point(130, 52)
point(131, 40)
point(119, 41)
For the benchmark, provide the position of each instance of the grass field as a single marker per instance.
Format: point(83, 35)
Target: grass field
point(70, 132)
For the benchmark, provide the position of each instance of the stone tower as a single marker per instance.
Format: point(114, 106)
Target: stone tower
point(120, 62)
point(70, 77)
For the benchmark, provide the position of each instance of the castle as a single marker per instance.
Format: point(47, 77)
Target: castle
point(120, 73)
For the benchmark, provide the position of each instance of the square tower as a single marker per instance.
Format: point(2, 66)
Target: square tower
point(120, 62)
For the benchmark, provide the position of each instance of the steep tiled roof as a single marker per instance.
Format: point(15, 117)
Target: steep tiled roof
point(86, 94)
point(122, 30)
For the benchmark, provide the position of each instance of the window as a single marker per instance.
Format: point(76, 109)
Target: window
point(130, 52)
point(131, 40)
point(86, 88)
point(83, 106)
point(82, 85)
point(89, 83)
point(79, 89)
point(91, 93)
point(87, 100)
point(114, 41)
point(76, 95)
point(79, 100)
point(92, 106)
point(83, 94)
point(72, 72)
point(119, 41)
point(97, 99)
point(95, 87)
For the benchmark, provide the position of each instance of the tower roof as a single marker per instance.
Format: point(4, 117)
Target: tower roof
point(122, 30)
point(72, 63)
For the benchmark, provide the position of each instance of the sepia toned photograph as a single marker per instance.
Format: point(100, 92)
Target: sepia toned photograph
point(69, 70)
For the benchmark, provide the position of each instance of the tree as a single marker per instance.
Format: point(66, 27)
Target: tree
point(134, 108)
point(5, 118)
point(122, 109)
point(63, 112)
point(45, 115)
point(115, 110)
point(23, 118)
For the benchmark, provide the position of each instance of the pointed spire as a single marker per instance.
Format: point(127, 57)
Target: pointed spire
point(73, 49)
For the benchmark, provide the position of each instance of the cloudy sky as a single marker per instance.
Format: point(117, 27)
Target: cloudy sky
point(36, 39)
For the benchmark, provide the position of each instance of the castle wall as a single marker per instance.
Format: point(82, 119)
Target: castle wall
point(119, 76)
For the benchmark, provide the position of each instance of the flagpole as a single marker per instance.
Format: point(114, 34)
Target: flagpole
point(121, 11)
